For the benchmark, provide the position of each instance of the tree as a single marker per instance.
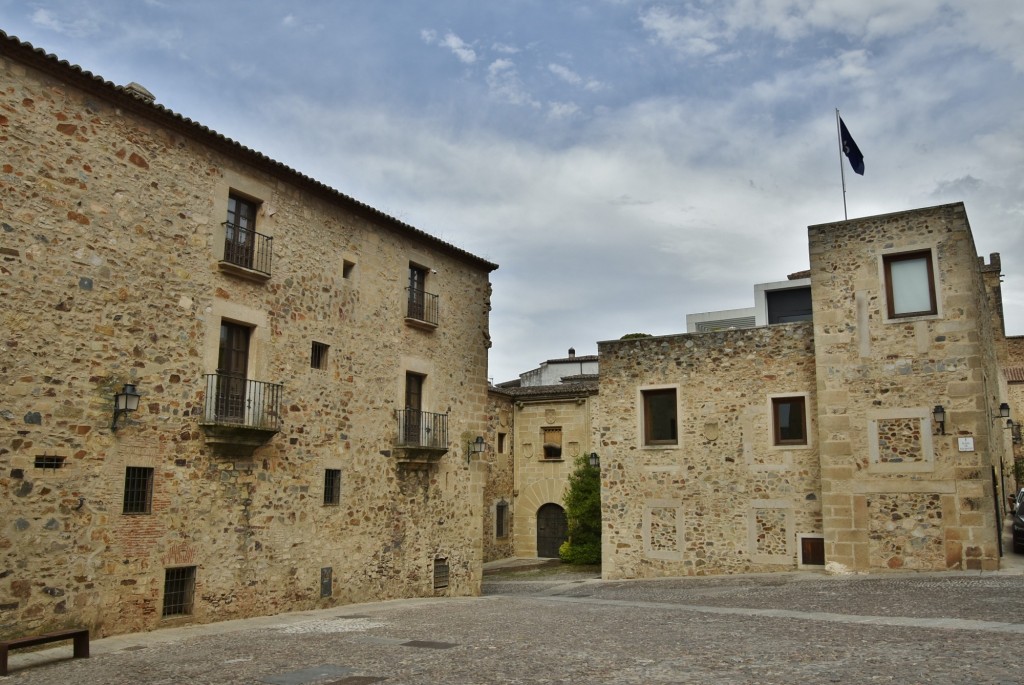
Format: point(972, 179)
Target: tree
point(633, 336)
point(583, 511)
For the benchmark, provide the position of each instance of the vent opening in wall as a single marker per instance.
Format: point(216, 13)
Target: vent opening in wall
point(46, 461)
point(812, 551)
point(440, 573)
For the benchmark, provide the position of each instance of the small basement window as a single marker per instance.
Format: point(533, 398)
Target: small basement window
point(47, 461)
point(440, 573)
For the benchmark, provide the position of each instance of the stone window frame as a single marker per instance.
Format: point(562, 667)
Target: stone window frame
point(924, 414)
point(786, 507)
point(772, 428)
point(642, 394)
point(665, 555)
point(544, 430)
point(251, 190)
point(886, 259)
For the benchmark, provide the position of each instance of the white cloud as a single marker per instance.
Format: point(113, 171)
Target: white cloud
point(562, 110)
point(459, 48)
point(82, 26)
point(505, 85)
point(565, 73)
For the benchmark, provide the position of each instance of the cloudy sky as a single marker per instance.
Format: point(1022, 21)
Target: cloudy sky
point(626, 163)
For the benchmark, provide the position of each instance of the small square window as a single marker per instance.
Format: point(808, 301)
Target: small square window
point(347, 268)
point(910, 284)
point(138, 490)
point(551, 438)
point(318, 356)
point(501, 520)
point(789, 420)
point(47, 461)
point(660, 423)
point(179, 590)
point(332, 486)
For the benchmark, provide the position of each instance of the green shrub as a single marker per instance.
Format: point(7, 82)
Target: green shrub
point(583, 512)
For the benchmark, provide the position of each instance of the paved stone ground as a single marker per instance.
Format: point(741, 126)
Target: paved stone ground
point(549, 626)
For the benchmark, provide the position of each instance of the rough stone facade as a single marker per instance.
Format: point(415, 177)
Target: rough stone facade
point(878, 484)
point(933, 507)
point(724, 498)
point(499, 480)
point(114, 269)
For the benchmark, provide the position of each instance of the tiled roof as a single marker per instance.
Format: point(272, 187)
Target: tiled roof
point(583, 358)
point(128, 98)
point(1014, 374)
point(588, 387)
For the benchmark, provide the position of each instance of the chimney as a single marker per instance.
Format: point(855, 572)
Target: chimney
point(572, 353)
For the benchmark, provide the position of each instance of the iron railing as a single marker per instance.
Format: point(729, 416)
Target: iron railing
point(238, 401)
point(247, 248)
point(422, 305)
point(422, 429)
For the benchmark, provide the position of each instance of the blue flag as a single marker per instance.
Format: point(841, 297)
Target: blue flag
point(850, 149)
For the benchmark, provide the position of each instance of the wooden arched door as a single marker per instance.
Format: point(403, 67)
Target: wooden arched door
point(552, 530)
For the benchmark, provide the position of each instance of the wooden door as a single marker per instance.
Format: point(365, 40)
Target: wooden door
point(552, 530)
point(232, 369)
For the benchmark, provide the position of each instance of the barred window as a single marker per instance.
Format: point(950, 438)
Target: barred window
point(332, 486)
point(440, 573)
point(179, 590)
point(318, 356)
point(138, 490)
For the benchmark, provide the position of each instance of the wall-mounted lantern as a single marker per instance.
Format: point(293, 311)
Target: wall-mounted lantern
point(595, 461)
point(939, 416)
point(475, 447)
point(125, 401)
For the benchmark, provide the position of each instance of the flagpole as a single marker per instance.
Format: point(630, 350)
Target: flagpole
point(842, 172)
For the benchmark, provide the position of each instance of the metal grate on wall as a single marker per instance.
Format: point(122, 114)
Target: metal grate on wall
point(179, 589)
point(47, 461)
point(440, 573)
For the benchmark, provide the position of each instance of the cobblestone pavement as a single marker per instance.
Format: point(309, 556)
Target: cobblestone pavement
point(549, 626)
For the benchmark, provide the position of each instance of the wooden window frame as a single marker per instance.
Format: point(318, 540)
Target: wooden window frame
point(887, 261)
point(777, 438)
point(648, 417)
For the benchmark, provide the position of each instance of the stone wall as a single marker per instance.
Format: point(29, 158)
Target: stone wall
point(499, 460)
point(724, 498)
point(542, 479)
point(897, 491)
point(110, 272)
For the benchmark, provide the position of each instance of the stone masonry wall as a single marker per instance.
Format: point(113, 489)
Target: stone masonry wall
point(896, 492)
point(541, 480)
point(499, 460)
point(112, 232)
point(725, 499)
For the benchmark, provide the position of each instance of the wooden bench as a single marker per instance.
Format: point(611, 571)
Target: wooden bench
point(79, 635)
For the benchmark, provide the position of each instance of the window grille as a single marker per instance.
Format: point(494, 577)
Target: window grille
point(179, 588)
point(440, 573)
point(332, 486)
point(47, 461)
point(138, 490)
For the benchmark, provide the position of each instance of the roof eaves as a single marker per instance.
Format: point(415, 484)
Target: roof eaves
point(15, 48)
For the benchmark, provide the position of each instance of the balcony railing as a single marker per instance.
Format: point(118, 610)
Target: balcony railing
point(422, 306)
point(421, 429)
point(241, 402)
point(248, 249)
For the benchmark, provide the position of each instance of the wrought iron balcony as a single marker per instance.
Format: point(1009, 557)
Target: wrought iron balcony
point(240, 414)
point(247, 249)
point(422, 307)
point(422, 436)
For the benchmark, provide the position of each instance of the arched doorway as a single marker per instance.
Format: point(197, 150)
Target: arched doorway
point(552, 530)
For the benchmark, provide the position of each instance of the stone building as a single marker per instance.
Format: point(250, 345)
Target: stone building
point(548, 424)
point(309, 374)
point(867, 438)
